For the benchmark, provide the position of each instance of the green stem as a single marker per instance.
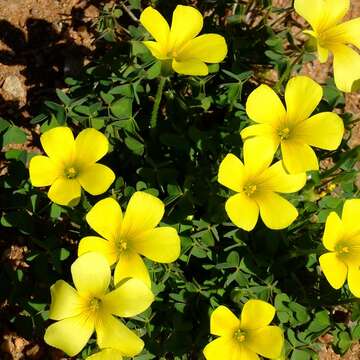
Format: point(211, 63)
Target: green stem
point(155, 111)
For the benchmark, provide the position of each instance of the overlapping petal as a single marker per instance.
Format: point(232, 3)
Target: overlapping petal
point(98, 245)
point(256, 314)
point(106, 354)
point(59, 144)
point(264, 106)
point(156, 49)
point(210, 48)
point(105, 217)
point(324, 130)
point(347, 32)
point(298, 157)
point(65, 192)
point(223, 322)
point(156, 25)
point(190, 67)
point(302, 95)
point(232, 173)
point(243, 211)
point(276, 212)
point(96, 178)
point(334, 231)
point(44, 171)
point(161, 244)
point(354, 280)
point(112, 333)
point(223, 347)
point(91, 274)
point(71, 334)
point(90, 146)
point(351, 216)
point(129, 299)
point(267, 341)
point(334, 269)
point(131, 265)
point(144, 212)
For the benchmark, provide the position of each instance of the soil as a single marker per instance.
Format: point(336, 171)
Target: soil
point(42, 42)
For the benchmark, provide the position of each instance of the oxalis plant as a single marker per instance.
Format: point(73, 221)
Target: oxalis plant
point(193, 193)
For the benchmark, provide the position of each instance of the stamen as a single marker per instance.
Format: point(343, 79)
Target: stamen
point(284, 133)
point(250, 189)
point(239, 335)
point(71, 173)
point(94, 304)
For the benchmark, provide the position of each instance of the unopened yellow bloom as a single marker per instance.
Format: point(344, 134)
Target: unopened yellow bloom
point(257, 185)
point(342, 239)
point(334, 36)
point(90, 306)
point(129, 236)
point(180, 43)
point(294, 129)
point(244, 338)
point(71, 165)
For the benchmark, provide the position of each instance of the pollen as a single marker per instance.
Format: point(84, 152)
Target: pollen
point(250, 189)
point(121, 245)
point(284, 133)
point(239, 335)
point(94, 304)
point(71, 173)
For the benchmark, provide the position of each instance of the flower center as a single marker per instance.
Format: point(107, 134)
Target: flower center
point(250, 189)
point(71, 173)
point(239, 335)
point(284, 133)
point(94, 304)
point(121, 245)
point(342, 250)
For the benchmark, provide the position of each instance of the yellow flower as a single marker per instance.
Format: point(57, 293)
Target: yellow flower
point(331, 35)
point(257, 186)
point(180, 44)
point(293, 129)
point(71, 165)
point(106, 354)
point(131, 235)
point(342, 239)
point(90, 306)
point(244, 338)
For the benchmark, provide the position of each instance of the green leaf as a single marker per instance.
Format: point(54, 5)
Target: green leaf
point(122, 108)
point(14, 135)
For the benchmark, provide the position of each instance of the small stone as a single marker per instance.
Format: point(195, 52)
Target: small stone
point(14, 87)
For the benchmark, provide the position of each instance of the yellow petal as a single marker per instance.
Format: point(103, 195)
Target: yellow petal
point(161, 244)
point(106, 354)
point(323, 54)
point(334, 269)
point(105, 217)
point(96, 178)
point(346, 67)
point(155, 24)
point(324, 130)
point(129, 299)
point(186, 23)
point(144, 212)
point(258, 130)
point(258, 155)
point(223, 322)
point(224, 347)
point(58, 143)
point(275, 211)
point(43, 170)
point(65, 192)
point(65, 301)
point(91, 274)
point(70, 335)
point(156, 49)
point(354, 280)
point(112, 333)
point(232, 173)
point(98, 245)
point(130, 265)
point(351, 216)
point(267, 341)
point(210, 48)
point(242, 211)
point(275, 178)
point(302, 96)
point(298, 157)
point(334, 231)
point(347, 32)
point(90, 146)
point(256, 314)
point(190, 67)
point(322, 14)
point(244, 353)
point(264, 106)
